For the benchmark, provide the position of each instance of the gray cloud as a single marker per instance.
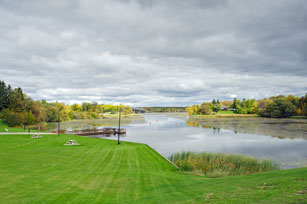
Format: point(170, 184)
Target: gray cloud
point(153, 52)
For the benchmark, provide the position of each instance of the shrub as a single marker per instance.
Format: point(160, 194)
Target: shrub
point(94, 115)
point(13, 118)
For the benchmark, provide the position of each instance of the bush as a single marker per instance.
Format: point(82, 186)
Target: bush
point(94, 115)
point(71, 115)
point(13, 118)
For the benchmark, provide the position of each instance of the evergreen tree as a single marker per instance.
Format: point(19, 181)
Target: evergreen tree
point(234, 105)
point(4, 95)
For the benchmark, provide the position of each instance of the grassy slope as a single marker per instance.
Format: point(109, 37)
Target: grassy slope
point(100, 171)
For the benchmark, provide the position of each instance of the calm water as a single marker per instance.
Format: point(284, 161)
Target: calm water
point(281, 140)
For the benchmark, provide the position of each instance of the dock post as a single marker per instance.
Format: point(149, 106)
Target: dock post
point(118, 142)
point(59, 128)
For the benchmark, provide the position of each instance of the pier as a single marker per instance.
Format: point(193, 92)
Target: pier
point(102, 132)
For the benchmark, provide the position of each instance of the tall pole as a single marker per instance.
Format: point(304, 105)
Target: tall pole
point(118, 133)
point(24, 122)
point(59, 128)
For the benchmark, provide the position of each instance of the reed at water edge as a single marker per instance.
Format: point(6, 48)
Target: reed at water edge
point(219, 165)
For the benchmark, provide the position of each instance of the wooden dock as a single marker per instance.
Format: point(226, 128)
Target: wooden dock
point(102, 132)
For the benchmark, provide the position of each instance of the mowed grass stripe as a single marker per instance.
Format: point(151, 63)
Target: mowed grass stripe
point(137, 175)
point(82, 168)
point(97, 165)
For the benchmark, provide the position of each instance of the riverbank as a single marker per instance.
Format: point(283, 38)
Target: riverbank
point(225, 116)
point(107, 120)
point(100, 171)
point(234, 115)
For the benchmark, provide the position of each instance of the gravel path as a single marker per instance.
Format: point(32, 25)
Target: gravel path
point(26, 133)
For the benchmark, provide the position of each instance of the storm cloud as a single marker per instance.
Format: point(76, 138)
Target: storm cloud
point(154, 52)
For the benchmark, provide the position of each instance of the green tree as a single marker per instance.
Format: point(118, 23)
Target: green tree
point(126, 110)
point(17, 100)
point(215, 107)
point(302, 105)
point(30, 118)
point(279, 108)
point(38, 111)
point(51, 113)
point(87, 107)
point(205, 109)
point(254, 107)
point(94, 107)
point(234, 103)
point(193, 110)
point(239, 109)
point(4, 95)
point(76, 107)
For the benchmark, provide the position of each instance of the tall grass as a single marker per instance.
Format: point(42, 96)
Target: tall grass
point(220, 165)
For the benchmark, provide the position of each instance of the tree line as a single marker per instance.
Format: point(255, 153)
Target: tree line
point(17, 108)
point(274, 107)
point(164, 109)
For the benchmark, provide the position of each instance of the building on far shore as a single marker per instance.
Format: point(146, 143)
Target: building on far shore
point(138, 110)
point(225, 108)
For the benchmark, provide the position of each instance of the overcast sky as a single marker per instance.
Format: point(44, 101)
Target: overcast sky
point(154, 52)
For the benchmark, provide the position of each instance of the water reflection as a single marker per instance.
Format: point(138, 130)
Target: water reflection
point(169, 135)
point(281, 128)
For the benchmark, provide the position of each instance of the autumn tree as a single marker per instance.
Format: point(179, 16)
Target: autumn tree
point(76, 107)
point(193, 110)
point(205, 108)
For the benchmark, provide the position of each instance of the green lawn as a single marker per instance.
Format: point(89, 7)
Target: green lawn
point(15, 129)
point(10, 129)
point(100, 171)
